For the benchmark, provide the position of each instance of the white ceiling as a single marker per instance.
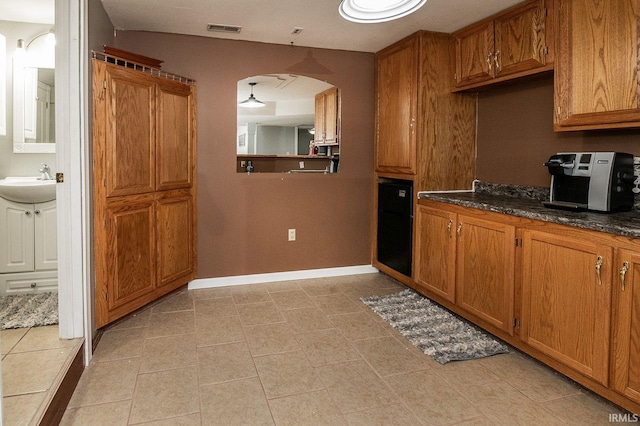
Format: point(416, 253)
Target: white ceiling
point(272, 21)
point(34, 11)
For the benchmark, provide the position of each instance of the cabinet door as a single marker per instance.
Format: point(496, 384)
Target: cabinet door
point(474, 54)
point(174, 214)
point(174, 147)
point(436, 251)
point(396, 107)
point(16, 245)
point(127, 275)
point(626, 325)
point(331, 115)
point(597, 77)
point(130, 132)
point(319, 121)
point(486, 270)
point(46, 236)
point(520, 39)
point(566, 300)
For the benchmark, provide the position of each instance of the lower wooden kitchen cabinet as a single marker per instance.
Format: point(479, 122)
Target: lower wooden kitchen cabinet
point(435, 253)
point(468, 261)
point(566, 300)
point(485, 270)
point(625, 361)
point(569, 297)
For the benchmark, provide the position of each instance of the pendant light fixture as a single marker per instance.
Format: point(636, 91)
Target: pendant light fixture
point(374, 11)
point(252, 102)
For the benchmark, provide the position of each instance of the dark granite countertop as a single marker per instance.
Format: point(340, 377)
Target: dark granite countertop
point(527, 202)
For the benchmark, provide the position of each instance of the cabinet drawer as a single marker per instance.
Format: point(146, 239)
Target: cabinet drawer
point(33, 282)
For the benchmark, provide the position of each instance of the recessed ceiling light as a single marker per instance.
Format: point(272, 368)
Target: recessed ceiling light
point(373, 11)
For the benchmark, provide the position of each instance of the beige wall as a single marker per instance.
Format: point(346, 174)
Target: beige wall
point(243, 219)
point(515, 134)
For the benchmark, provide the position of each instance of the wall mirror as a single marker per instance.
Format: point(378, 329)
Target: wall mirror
point(34, 97)
point(287, 123)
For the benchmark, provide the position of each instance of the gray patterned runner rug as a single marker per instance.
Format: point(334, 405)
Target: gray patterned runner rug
point(28, 310)
point(433, 329)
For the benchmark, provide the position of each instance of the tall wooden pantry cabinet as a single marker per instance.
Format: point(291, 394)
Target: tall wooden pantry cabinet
point(144, 137)
point(424, 133)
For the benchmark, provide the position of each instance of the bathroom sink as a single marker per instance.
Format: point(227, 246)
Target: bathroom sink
point(27, 189)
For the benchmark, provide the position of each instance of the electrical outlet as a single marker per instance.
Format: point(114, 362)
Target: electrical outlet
point(302, 164)
point(292, 234)
point(242, 163)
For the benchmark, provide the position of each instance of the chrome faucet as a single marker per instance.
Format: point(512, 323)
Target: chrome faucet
point(44, 172)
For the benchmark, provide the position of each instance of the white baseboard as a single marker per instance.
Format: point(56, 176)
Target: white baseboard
point(280, 276)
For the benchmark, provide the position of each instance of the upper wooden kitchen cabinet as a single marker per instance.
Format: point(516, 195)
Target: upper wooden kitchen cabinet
point(327, 121)
point(396, 106)
point(144, 186)
point(514, 43)
point(597, 78)
point(567, 298)
point(626, 324)
point(424, 133)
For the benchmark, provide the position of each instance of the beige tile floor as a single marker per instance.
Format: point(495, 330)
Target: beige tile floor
point(305, 353)
point(34, 360)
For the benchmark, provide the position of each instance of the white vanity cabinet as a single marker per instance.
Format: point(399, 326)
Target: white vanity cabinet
point(28, 247)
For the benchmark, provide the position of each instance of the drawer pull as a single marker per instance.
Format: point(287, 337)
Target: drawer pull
point(598, 267)
point(623, 272)
point(34, 285)
point(449, 227)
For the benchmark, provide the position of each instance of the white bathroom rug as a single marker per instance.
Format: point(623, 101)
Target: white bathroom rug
point(28, 310)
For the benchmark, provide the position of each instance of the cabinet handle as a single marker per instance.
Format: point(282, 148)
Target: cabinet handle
point(459, 229)
point(495, 59)
point(489, 60)
point(598, 267)
point(27, 213)
point(37, 211)
point(449, 227)
point(623, 272)
point(34, 285)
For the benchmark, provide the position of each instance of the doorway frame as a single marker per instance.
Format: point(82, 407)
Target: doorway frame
point(72, 159)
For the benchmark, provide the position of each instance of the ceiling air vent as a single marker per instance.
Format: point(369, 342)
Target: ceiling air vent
point(223, 28)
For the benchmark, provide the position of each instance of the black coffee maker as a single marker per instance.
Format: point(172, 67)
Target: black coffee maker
point(598, 181)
